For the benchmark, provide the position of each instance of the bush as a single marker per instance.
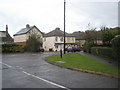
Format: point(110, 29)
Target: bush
point(116, 47)
point(87, 46)
point(33, 43)
point(6, 48)
point(103, 51)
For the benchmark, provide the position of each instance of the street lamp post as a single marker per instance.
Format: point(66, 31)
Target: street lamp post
point(64, 24)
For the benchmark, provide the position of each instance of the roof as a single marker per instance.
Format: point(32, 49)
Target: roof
point(7, 37)
point(79, 35)
point(57, 32)
point(26, 30)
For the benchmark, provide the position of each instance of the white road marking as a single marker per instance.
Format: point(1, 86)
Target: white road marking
point(6, 64)
point(38, 77)
point(46, 80)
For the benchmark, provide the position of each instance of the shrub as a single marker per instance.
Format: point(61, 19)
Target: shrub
point(87, 46)
point(103, 51)
point(108, 35)
point(116, 47)
point(33, 43)
point(6, 48)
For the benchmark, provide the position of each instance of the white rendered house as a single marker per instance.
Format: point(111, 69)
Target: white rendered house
point(54, 40)
point(21, 36)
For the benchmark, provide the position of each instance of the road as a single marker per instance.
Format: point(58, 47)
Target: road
point(31, 71)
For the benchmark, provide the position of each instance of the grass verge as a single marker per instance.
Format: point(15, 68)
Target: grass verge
point(84, 63)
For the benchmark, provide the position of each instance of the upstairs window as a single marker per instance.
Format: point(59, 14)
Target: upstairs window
point(72, 38)
point(68, 38)
point(61, 39)
point(56, 39)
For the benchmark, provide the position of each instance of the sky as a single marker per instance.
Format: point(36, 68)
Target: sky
point(49, 14)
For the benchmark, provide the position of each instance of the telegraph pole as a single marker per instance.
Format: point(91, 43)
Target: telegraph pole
point(64, 24)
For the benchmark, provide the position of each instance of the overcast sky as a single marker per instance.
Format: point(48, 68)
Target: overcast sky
point(49, 14)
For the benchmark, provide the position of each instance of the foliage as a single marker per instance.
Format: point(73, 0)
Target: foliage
point(75, 60)
point(90, 35)
point(6, 48)
point(87, 46)
point(103, 51)
point(108, 35)
point(33, 43)
point(116, 47)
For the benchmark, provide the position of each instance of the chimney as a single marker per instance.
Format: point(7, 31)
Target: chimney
point(7, 28)
point(27, 26)
point(57, 28)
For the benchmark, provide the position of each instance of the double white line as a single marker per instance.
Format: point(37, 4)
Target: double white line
point(55, 84)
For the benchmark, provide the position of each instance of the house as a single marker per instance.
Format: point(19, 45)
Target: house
point(21, 36)
point(54, 40)
point(80, 38)
point(5, 37)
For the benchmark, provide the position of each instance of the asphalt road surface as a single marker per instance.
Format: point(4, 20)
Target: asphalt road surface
point(31, 71)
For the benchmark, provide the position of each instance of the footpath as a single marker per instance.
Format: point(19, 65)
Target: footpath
point(103, 60)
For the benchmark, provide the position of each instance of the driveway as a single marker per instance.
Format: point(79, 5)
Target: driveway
point(31, 71)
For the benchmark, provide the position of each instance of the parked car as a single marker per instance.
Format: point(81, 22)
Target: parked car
point(77, 49)
point(69, 49)
point(72, 49)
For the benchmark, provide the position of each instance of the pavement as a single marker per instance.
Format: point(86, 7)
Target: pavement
point(29, 70)
point(101, 59)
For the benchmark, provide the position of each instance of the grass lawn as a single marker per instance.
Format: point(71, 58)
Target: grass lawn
point(75, 60)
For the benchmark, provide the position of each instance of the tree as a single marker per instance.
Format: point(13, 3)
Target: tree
point(108, 35)
point(91, 35)
point(34, 42)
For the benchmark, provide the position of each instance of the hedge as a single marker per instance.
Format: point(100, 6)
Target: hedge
point(7, 48)
point(116, 47)
point(103, 51)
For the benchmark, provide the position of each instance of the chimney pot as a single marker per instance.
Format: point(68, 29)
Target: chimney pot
point(7, 28)
point(27, 26)
point(57, 28)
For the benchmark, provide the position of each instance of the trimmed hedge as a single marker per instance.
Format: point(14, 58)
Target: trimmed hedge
point(7, 48)
point(103, 51)
point(116, 47)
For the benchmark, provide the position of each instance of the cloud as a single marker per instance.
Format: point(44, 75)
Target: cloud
point(97, 13)
point(49, 14)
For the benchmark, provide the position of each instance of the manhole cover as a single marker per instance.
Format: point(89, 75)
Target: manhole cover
point(60, 61)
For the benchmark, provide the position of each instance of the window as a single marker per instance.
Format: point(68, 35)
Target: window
point(72, 38)
point(61, 39)
point(68, 38)
point(56, 46)
point(56, 39)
